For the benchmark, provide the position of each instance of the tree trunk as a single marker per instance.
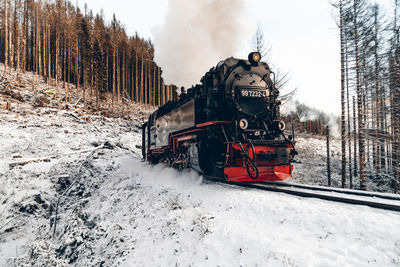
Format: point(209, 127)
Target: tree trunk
point(158, 87)
point(133, 98)
point(44, 40)
point(24, 55)
point(162, 93)
point(328, 156)
point(114, 81)
point(18, 36)
point(378, 123)
point(65, 59)
point(57, 61)
point(136, 78)
point(153, 83)
point(92, 86)
point(5, 36)
point(77, 73)
point(143, 95)
point(49, 55)
point(343, 117)
point(361, 148)
point(39, 54)
point(149, 85)
point(118, 78)
point(348, 118)
point(123, 74)
point(355, 137)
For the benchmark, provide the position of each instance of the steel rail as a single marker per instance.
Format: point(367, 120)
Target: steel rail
point(293, 191)
point(337, 190)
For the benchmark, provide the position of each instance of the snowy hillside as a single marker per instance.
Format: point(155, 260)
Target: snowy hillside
point(73, 190)
point(312, 161)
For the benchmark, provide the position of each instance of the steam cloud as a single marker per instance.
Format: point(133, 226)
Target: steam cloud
point(197, 34)
point(306, 113)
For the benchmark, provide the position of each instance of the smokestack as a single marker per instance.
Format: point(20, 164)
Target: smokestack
point(197, 34)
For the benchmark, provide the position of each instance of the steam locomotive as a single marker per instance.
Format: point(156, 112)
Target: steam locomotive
point(227, 127)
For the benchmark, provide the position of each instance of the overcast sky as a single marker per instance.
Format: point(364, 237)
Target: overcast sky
point(302, 34)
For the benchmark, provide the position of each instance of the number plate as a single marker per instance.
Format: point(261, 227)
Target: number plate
point(253, 93)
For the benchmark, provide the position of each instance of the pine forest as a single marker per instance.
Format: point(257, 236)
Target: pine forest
point(63, 44)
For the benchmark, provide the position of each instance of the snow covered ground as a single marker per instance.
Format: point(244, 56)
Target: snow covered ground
point(312, 166)
point(73, 190)
point(60, 150)
point(312, 161)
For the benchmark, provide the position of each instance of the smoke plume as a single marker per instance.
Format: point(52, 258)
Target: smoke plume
point(306, 113)
point(197, 34)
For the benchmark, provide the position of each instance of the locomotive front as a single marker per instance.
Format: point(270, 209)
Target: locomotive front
point(255, 147)
point(251, 94)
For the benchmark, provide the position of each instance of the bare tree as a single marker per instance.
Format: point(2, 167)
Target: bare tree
point(6, 43)
point(361, 148)
point(258, 43)
point(342, 73)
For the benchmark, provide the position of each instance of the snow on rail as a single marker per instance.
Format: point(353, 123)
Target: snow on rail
point(343, 196)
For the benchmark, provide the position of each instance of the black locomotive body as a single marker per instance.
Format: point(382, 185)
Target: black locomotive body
point(228, 126)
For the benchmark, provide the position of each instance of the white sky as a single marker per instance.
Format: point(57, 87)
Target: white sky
point(302, 34)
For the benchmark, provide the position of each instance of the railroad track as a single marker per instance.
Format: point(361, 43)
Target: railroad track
point(370, 199)
point(337, 190)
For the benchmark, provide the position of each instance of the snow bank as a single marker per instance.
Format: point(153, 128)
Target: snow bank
point(166, 220)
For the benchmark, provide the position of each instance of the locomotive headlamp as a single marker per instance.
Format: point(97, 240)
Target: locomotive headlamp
point(281, 125)
point(243, 124)
point(254, 57)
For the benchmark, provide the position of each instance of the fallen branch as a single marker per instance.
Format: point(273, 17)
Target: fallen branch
point(94, 126)
point(77, 101)
point(11, 220)
point(24, 162)
point(47, 158)
point(74, 116)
